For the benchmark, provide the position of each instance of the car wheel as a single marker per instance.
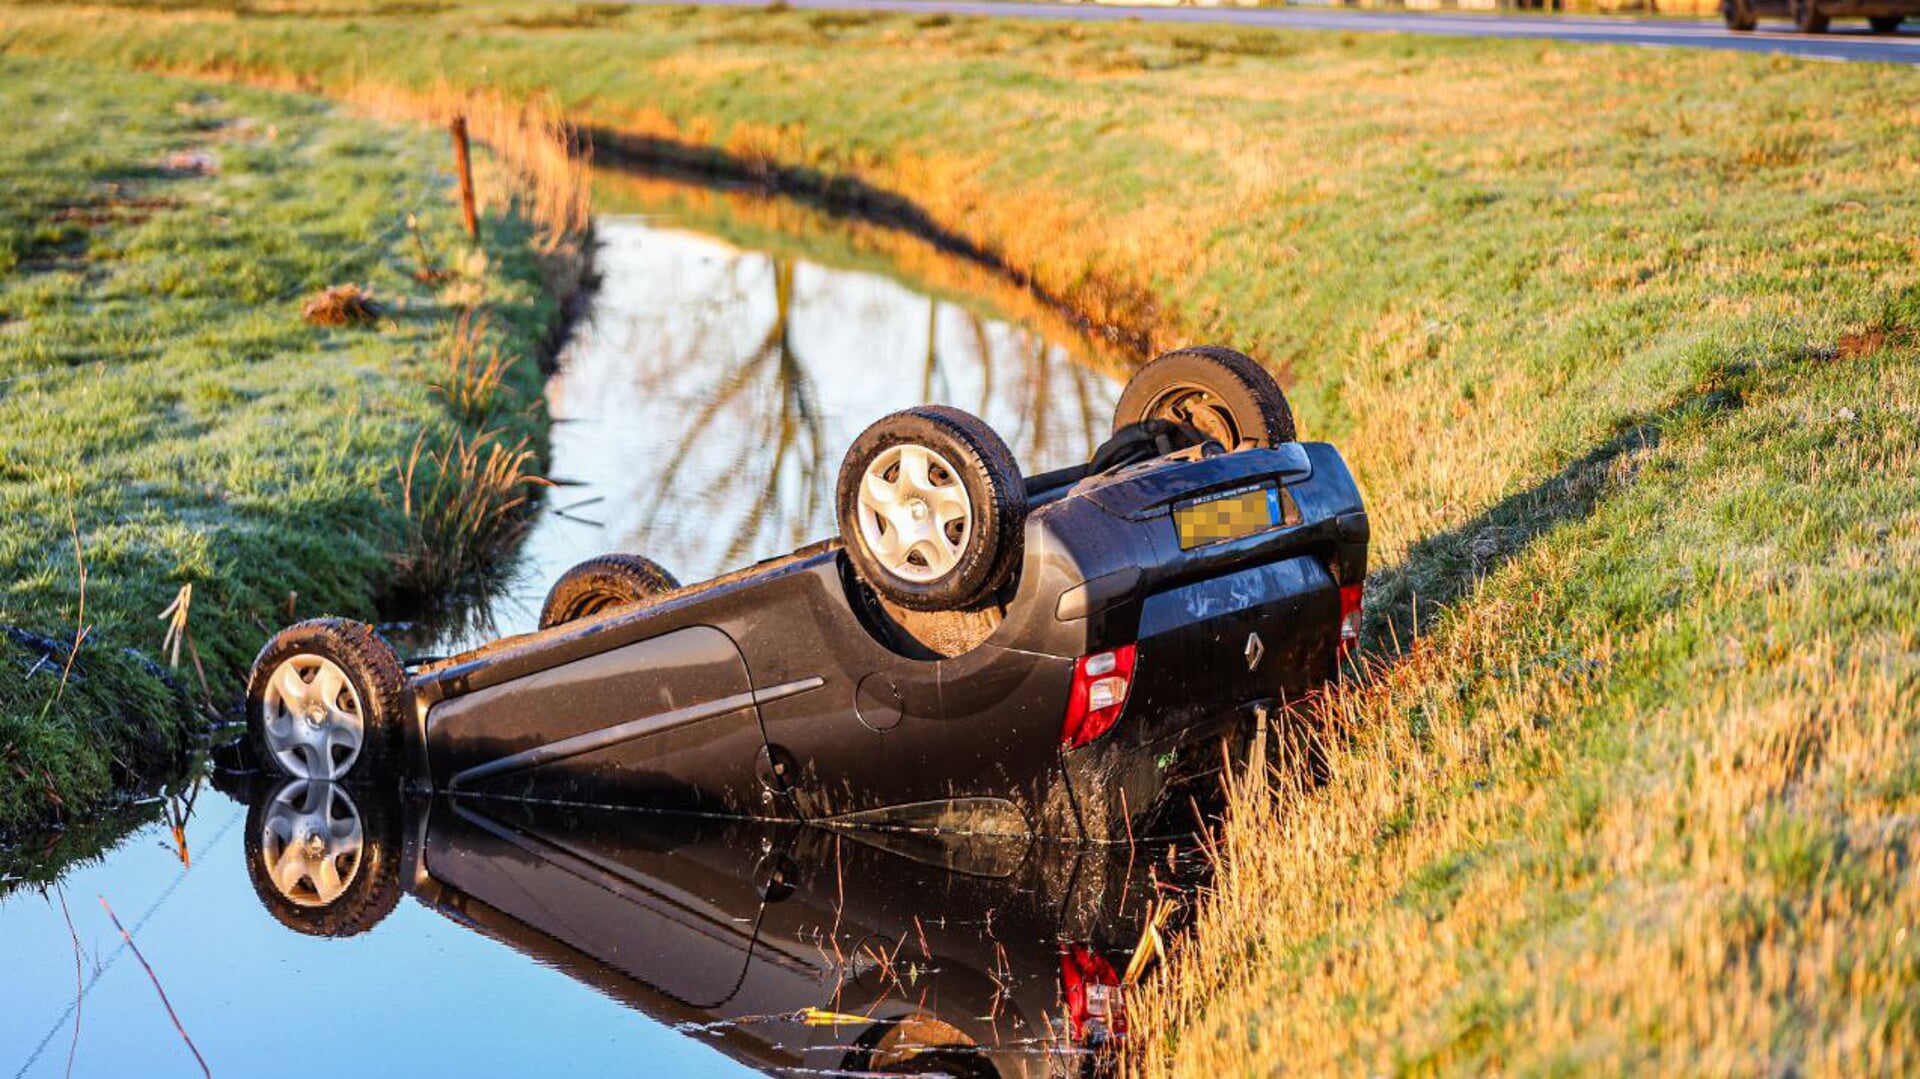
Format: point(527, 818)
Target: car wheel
point(325, 700)
point(320, 863)
point(1885, 24)
point(1223, 394)
point(1738, 14)
point(604, 584)
point(1808, 18)
point(931, 507)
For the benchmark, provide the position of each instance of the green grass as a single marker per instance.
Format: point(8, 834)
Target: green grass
point(159, 390)
point(1622, 347)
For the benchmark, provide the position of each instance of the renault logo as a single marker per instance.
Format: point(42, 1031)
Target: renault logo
point(1255, 650)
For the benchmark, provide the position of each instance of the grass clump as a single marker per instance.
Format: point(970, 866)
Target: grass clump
point(473, 370)
point(467, 505)
point(341, 305)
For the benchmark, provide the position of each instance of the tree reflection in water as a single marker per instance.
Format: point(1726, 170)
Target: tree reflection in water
point(708, 400)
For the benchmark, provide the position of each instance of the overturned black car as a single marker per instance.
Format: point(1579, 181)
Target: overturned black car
point(976, 651)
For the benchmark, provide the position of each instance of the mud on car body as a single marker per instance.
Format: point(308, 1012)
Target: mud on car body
point(977, 650)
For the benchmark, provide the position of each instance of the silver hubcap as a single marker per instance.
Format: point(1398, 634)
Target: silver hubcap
point(311, 842)
point(314, 723)
point(914, 513)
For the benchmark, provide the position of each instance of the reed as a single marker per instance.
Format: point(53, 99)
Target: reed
point(472, 369)
point(467, 499)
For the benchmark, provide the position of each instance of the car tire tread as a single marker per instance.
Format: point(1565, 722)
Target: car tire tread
point(1259, 407)
point(602, 584)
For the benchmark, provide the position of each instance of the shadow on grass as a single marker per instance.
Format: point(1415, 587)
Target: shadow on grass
point(1407, 599)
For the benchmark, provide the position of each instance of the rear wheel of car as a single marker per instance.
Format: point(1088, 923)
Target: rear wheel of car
point(603, 584)
point(1885, 24)
point(1808, 18)
point(931, 507)
point(325, 700)
point(1223, 394)
point(1738, 14)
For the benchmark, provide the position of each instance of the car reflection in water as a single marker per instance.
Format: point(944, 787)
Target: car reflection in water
point(789, 947)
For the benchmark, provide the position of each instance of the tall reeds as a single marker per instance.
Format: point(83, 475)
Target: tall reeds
point(466, 501)
point(472, 369)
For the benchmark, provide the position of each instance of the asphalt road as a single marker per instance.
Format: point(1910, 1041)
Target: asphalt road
point(1848, 41)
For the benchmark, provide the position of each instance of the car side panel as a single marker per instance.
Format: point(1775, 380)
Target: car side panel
point(886, 730)
point(663, 723)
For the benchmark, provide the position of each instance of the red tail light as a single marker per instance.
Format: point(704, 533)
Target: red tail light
point(1101, 682)
point(1350, 617)
point(1094, 1001)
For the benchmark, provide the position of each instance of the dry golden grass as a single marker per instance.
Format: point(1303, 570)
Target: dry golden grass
point(1673, 952)
point(1541, 839)
point(473, 369)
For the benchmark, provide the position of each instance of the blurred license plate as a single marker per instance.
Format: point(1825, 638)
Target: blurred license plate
point(1228, 516)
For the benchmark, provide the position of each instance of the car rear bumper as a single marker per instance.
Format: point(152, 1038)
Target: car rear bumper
point(1132, 793)
point(1213, 656)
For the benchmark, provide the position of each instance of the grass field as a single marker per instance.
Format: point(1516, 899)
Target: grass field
point(1622, 346)
point(167, 418)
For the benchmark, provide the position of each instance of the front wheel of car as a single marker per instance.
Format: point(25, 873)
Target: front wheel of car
point(325, 700)
point(1738, 14)
point(603, 584)
point(1885, 24)
point(931, 508)
point(1225, 395)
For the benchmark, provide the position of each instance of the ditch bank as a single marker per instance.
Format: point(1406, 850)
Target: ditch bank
point(188, 461)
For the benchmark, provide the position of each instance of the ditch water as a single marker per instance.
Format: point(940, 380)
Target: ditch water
point(700, 411)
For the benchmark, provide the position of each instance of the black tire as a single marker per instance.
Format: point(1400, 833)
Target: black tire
point(988, 536)
point(372, 882)
point(1738, 14)
point(1885, 24)
point(1808, 18)
point(1225, 394)
point(379, 684)
point(603, 584)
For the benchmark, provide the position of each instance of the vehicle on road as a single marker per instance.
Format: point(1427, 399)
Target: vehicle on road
point(976, 650)
point(1814, 16)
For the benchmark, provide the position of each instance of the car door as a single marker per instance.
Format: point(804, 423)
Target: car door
point(664, 723)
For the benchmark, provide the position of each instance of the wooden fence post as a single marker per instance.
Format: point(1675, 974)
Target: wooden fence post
point(464, 159)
